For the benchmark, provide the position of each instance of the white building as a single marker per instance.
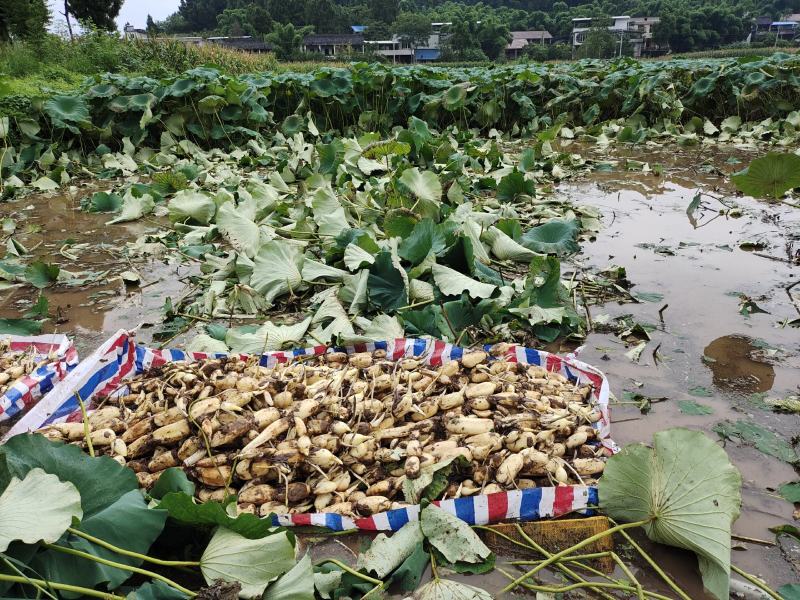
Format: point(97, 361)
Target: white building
point(636, 31)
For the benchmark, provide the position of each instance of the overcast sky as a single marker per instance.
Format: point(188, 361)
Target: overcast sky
point(133, 11)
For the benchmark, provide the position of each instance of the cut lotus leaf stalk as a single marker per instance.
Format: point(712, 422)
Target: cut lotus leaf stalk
point(353, 572)
point(30, 581)
point(586, 584)
point(564, 569)
point(667, 579)
point(123, 552)
point(124, 567)
point(757, 582)
point(556, 557)
point(61, 586)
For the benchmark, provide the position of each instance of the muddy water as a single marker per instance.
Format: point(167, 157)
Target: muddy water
point(99, 302)
point(706, 350)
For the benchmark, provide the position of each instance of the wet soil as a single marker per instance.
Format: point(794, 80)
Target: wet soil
point(695, 272)
point(99, 301)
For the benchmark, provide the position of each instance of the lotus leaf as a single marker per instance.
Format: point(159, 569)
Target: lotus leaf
point(687, 492)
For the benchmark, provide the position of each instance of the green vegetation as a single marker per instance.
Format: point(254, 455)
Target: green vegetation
point(685, 26)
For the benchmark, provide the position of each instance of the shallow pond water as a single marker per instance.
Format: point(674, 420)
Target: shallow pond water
point(697, 271)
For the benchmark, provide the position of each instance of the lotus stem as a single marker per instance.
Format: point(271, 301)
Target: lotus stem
point(667, 579)
point(61, 586)
point(352, 571)
point(586, 584)
point(87, 433)
point(124, 567)
point(14, 568)
point(757, 582)
point(562, 567)
point(556, 557)
point(132, 554)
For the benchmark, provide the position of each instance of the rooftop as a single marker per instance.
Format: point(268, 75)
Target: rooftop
point(531, 35)
point(334, 39)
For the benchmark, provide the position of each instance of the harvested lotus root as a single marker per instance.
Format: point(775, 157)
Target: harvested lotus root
point(348, 434)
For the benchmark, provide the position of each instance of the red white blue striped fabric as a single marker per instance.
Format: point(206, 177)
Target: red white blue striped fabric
point(105, 371)
point(24, 392)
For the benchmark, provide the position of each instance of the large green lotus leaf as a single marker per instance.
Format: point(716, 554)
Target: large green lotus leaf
point(20, 326)
point(41, 275)
point(156, 590)
point(770, 176)
point(557, 236)
point(127, 523)
point(454, 97)
point(253, 563)
point(386, 286)
point(426, 237)
point(172, 480)
point(505, 248)
point(37, 508)
point(453, 283)
point(386, 553)
point(104, 202)
point(276, 269)
point(133, 208)
point(451, 536)
point(328, 212)
point(790, 591)
point(314, 270)
point(183, 508)
point(267, 338)
point(382, 327)
point(425, 185)
point(687, 490)
point(331, 321)
point(514, 185)
point(63, 109)
point(447, 589)
point(205, 343)
point(238, 228)
point(101, 481)
point(297, 584)
point(192, 205)
point(356, 257)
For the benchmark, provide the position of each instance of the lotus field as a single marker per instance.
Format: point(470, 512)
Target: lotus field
point(371, 209)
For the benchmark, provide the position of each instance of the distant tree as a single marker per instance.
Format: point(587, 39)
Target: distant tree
point(152, 28)
point(412, 28)
point(323, 16)
point(493, 37)
point(174, 23)
point(287, 11)
point(598, 42)
point(463, 37)
point(384, 10)
point(286, 39)
point(377, 30)
point(23, 19)
point(251, 20)
point(101, 13)
point(201, 15)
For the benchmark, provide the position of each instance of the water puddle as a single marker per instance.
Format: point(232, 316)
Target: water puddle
point(706, 349)
point(97, 302)
point(734, 368)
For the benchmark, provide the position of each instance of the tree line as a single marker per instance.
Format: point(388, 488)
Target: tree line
point(685, 24)
point(480, 29)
